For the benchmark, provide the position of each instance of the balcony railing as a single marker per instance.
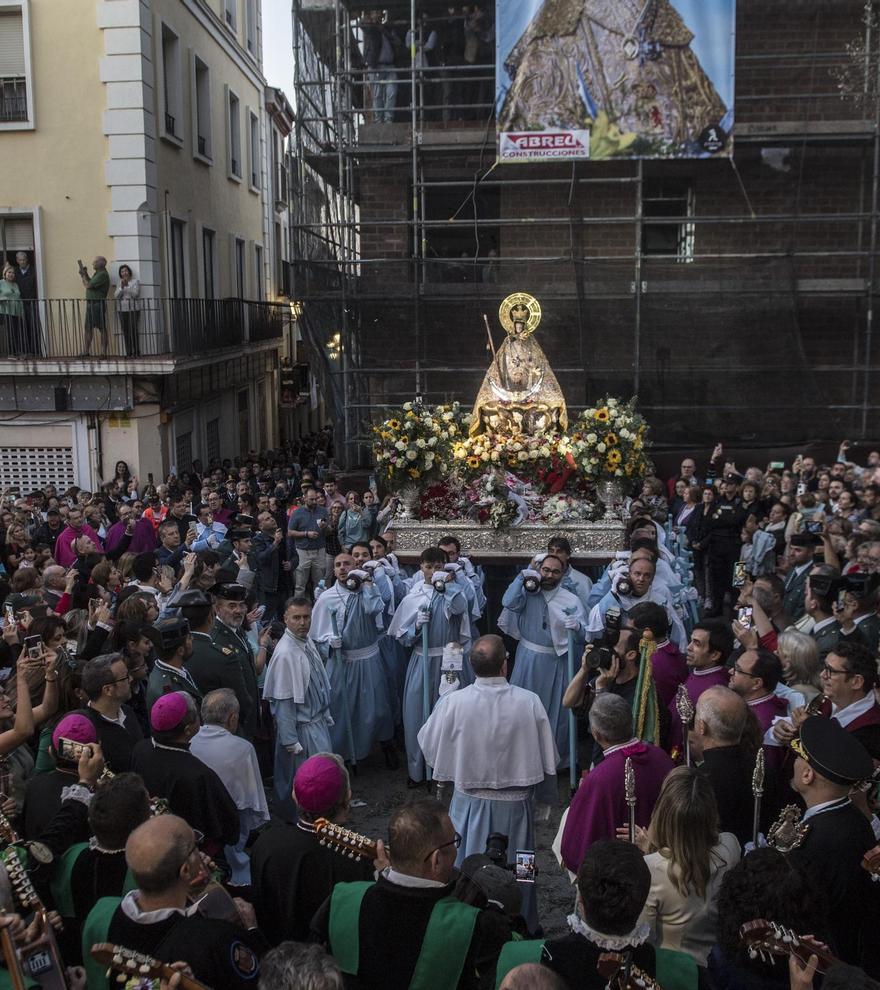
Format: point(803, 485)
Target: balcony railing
point(166, 328)
point(13, 99)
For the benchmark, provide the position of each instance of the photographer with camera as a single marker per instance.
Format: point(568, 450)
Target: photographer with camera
point(540, 613)
point(434, 602)
point(494, 741)
point(824, 587)
point(344, 628)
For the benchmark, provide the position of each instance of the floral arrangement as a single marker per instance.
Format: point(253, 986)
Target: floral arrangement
point(610, 441)
point(414, 445)
point(529, 456)
point(561, 508)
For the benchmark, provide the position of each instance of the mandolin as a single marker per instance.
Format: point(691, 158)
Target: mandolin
point(344, 841)
point(12, 960)
point(620, 974)
point(149, 972)
point(767, 940)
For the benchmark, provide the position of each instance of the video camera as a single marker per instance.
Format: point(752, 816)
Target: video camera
point(438, 582)
point(532, 584)
point(601, 655)
point(353, 583)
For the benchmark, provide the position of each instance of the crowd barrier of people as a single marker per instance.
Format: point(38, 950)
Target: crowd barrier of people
point(192, 671)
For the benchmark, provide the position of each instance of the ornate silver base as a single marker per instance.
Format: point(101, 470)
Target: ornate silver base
point(593, 542)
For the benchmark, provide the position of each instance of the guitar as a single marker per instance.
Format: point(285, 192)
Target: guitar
point(767, 940)
point(344, 841)
point(129, 964)
point(17, 976)
point(817, 705)
point(620, 974)
point(38, 960)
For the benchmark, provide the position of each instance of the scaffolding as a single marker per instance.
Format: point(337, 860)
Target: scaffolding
point(735, 297)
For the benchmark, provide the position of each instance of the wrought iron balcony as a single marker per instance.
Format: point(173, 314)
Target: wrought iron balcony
point(175, 329)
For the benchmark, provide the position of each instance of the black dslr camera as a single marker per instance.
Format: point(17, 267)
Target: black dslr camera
point(439, 582)
point(496, 849)
point(601, 656)
point(532, 584)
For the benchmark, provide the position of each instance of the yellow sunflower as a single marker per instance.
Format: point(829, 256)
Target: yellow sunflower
point(473, 461)
point(602, 414)
point(414, 473)
point(393, 424)
point(611, 439)
point(614, 458)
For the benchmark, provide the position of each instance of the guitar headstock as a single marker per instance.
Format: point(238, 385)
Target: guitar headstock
point(612, 967)
point(128, 964)
point(871, 862)
point(21, 882)
point(139, 971)
point(344, 841)
point(767, 940)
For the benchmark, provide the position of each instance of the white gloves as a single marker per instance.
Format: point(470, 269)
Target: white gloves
point(295, 749)
point(452, 568)
point(571, 622)
point(335, 642)
point(422, 616)
point(358, 573)
point(371, 565)
point(529, 573)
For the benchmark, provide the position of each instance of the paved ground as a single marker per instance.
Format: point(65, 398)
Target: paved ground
point(384, 789)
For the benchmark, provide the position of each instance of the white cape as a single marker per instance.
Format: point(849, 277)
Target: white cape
point(234, 760)
point(489, 735)
point(289, 670)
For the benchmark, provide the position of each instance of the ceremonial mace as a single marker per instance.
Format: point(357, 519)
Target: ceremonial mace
point(685, 708)
point(572, 723)
point(757, 791)
point(426, 686)
point(344, 681)
point(629, 786)
point(489, 334)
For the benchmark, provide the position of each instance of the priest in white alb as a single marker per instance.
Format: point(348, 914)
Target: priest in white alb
point(494, 741)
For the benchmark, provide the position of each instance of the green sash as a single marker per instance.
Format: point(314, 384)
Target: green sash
point(95, 929)
point(444, 948)
point(675, 970)
point(61, 880)
point(515, 954)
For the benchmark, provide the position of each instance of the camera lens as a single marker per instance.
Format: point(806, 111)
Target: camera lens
point(531, 584)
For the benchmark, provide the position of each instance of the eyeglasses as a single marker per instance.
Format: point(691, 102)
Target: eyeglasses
point(739, 670)
point(831, 671)
point(119, 680)
point(455, 841)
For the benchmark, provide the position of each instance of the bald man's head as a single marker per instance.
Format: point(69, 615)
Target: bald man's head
point(531, 976)
point(157, 850)
point(488, 656)
point(723, 713)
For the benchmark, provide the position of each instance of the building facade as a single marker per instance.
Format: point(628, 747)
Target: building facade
point(138, 131)
point(735, 298)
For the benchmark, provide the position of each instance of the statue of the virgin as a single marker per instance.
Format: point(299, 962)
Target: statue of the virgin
point(520, 393)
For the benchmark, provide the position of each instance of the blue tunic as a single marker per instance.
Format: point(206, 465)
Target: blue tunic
point(448, 624)
point(538, 666)
point(359, 688)
point(308, 724)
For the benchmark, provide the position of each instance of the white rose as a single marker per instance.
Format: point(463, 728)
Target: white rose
point(432, 442)
point(400, 445)
point(495, 455)
point(591, 438)
point(545, 452)
point(447, 416)
point(619, 472)
point(420, 443)
point(517, 447)
point(522, 456)
point(411, 455)
point(407, 406)
point(601, 448)
point(484, 457)
point(533, 455)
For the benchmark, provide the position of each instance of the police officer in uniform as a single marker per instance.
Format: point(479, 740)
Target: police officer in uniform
point(228, 637)
point(169, 672)
point(800, 555)
point(829, 762)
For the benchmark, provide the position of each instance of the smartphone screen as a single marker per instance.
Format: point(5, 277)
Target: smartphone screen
point(525, 866)
point(744, 616)
point(33, 647)
point(739, 574)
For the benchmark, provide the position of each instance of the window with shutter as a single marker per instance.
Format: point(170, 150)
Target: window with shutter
point(13, 81)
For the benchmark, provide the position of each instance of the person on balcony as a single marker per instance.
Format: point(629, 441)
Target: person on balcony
point(26, 280)
point(97, 289)
point(11, 311)
point(126, 295)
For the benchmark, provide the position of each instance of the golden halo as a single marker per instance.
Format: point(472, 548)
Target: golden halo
point(520, 299)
